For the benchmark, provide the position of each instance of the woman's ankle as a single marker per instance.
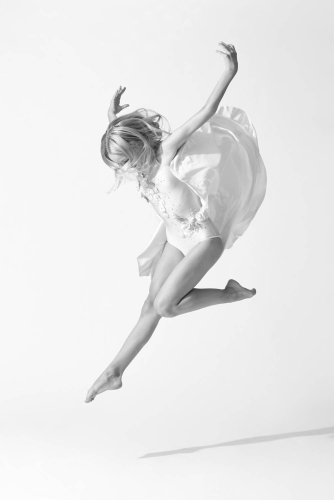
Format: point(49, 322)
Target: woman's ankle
point(114, 370)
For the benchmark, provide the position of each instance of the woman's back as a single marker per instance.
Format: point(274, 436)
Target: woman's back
point(180, 209)
point(173, 197)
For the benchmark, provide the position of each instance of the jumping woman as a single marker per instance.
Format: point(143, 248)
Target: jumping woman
point(206, 181)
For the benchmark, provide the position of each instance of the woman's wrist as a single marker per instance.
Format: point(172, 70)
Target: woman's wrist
point(230, 73)
point(111, 116)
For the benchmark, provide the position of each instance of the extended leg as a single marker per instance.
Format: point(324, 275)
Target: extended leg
point(149, 318)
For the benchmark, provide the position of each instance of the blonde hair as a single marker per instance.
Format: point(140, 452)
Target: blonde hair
point(136, 137)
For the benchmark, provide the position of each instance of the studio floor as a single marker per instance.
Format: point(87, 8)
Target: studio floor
point(78, 461)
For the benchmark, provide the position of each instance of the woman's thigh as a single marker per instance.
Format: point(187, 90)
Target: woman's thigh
point(170, 258)
point(188, 272)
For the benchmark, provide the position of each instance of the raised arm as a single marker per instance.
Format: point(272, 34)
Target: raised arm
point(182, 134)
point(231, 67)
point(115, 106)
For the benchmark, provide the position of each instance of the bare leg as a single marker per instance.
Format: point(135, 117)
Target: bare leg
point(178, 294)
point(111, 378)
point(175, 275)
point(198, 298)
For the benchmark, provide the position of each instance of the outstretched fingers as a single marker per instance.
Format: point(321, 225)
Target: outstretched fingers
point(229, 49)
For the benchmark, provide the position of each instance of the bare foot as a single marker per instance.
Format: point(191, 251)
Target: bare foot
point(238, 292)
point(109, 380)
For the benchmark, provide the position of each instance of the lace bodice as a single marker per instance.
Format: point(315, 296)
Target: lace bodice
point(173, 201)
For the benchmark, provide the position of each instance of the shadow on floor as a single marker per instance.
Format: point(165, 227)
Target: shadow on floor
point(240, 442)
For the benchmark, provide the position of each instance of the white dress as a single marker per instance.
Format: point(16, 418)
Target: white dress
point(213, 187)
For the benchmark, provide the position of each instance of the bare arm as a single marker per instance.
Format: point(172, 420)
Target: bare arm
point(230, 70)
point(219, 91)
point(182, 134)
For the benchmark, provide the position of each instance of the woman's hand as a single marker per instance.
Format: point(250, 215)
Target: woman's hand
point(115, 106)
point(230, 57)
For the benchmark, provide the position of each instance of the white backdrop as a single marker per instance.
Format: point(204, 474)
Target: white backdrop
point(70, 286)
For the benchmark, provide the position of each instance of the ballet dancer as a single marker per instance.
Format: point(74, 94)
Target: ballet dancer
point(205, 180)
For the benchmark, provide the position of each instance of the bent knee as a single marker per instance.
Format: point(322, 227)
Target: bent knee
point(164, 309)
point(151, 304)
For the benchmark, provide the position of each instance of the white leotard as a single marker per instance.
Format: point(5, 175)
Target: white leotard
point(180, 209)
